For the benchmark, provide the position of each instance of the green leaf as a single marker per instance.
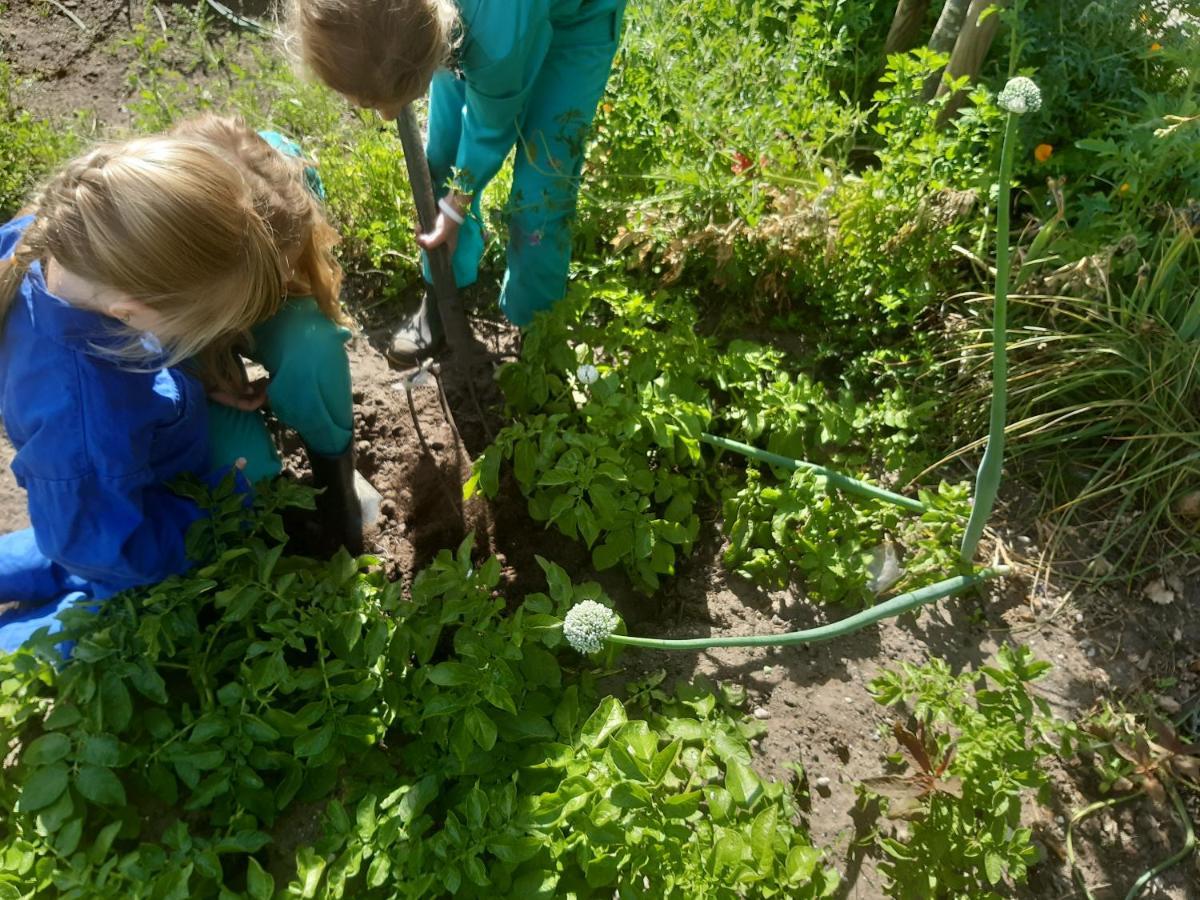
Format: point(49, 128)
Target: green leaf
point(681, 806)
point(115, 703)
point(100, 786)
point(481, 728)
point(377, 874)
point(664, 760)
point(103, 843)
point(762, 838)
point(628, 795)
point(743, 784)
point(43, 787)
point(608, 717)
point(67, 840)
point(801, 864)
point(100, 750)
point(313, 743)
point(49, 748)
point(993, 865)
point(453, 674)
point(729, 851)
point(63, 715)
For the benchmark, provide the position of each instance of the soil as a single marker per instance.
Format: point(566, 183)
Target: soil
point(416, 450)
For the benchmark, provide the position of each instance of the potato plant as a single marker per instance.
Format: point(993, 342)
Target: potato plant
point(409, 745)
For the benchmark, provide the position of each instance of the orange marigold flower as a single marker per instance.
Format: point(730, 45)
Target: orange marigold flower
point(1043, 152)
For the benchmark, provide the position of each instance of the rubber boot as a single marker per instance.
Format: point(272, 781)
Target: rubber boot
point(419, 337)
point(338, 507)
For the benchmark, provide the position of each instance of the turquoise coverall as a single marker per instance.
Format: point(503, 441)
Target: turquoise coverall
point(305, 355)
point(529, 74)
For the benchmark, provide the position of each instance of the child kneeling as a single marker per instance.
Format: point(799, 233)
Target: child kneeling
point(133, 259)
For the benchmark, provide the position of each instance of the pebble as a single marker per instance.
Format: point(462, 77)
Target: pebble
point(823, 781)
point(760, 713)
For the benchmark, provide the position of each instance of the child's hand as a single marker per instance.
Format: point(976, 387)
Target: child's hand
point(445, 231)
point(253, 398)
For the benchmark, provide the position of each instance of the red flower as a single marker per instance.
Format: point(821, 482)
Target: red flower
point(741, 163)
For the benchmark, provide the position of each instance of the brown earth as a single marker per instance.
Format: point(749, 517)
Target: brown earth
point(812, 699)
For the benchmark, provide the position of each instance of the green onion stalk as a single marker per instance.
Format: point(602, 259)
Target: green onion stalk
point(836, 479)
point(590, 625)
point(1019, 96)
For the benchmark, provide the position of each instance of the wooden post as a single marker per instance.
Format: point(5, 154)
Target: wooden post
point(970, 50)
point(949, 24)
point(906, 26)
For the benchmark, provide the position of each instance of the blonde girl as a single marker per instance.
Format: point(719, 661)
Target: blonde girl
point(130, 261)
point(302, 345)
point(504, 73)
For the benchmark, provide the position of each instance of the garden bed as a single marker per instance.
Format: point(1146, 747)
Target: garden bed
point(813, 700)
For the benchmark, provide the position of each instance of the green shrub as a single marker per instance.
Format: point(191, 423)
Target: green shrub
point(29, 148)
point(971, 759)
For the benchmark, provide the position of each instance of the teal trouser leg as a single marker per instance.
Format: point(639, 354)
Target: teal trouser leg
point(554, 133)
point(446, 98)
point(238, 434)
point(305, 354)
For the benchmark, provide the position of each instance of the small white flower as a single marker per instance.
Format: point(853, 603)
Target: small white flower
point(1020, 96)
point(588, 625)
point(587, 374)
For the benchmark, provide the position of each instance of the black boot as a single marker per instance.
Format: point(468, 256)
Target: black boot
point(420, 336)
point(338, 507)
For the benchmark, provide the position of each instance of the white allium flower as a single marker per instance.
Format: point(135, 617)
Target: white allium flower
point(587, 374)
point(1020, 95)
point(588, 625)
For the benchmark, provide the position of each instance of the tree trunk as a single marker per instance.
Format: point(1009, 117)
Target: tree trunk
point(970, 50)
point(906, 26)
point(949, 24)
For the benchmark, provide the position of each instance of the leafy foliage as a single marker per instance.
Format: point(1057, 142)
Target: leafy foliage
point(618, 462)
point(205, 724)
point(801, 528)
point(29, 147)
point(973, 756)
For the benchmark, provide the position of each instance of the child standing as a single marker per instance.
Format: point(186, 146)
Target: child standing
point(504, 73)
point(303, 345)
point(131, 260)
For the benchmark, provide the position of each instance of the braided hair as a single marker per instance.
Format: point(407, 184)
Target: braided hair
point(169, 223)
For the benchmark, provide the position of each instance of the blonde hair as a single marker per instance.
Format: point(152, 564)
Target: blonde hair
point(284, 201)
point(374, 51)
point(169, 223)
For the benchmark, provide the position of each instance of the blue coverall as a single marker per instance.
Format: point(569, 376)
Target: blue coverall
point(530, 75)
point(95, 446)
